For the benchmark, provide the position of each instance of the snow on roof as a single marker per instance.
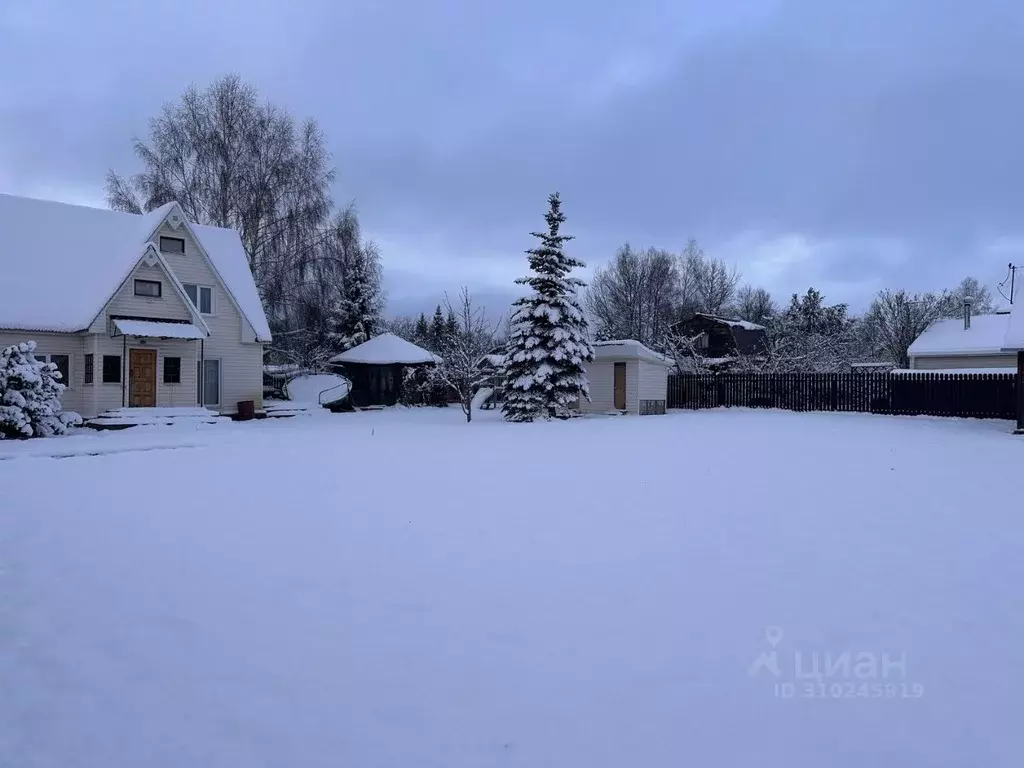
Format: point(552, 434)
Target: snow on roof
point(159, 330)
point(495, 361)
point(734, 322)
point(626, 348)
point(386, 349)
point(986, 336)
point(1014, 339)
point(61, 263)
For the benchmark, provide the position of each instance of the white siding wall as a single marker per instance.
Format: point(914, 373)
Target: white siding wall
point(169, 306)
point(71, 344)
point(108, 396)
point(602, 388)
point(1009, 360)
point(653, 381)
point(231, 336)
point(633, 386)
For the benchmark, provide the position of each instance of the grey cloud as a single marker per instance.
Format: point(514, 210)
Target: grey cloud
point(852, 125)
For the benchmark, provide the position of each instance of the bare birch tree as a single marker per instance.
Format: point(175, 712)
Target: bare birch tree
point(231, 161)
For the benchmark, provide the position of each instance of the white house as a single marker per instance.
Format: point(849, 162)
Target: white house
point(144, 311)
point(964, 343)
point(626, 376)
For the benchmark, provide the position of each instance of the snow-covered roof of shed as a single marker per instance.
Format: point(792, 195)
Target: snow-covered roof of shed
point(386, 349)
point(986, 336)
point(733, 322)
point(956, 371)
point(61, 263)
point(623, 349)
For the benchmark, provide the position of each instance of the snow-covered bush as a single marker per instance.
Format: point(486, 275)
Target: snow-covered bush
point(30, 395)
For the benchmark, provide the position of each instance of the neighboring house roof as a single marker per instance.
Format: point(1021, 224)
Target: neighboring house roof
point(733, 322)
point(1014, 339)
point(494, 361)
point(620, 349)
point(986, 336)
point(60, 264)
point(386, 349)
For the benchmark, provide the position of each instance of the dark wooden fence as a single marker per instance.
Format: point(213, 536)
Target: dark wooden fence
point(986, 396)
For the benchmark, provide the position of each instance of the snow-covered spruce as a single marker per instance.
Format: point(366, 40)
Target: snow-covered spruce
point(30, 395)
point(549, 343)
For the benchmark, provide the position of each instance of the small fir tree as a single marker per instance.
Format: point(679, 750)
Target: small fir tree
point(549, 341)
point(30, 393)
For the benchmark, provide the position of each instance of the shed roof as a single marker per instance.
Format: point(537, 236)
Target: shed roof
point(986, 336)
point(386, 349)
point(626, 349)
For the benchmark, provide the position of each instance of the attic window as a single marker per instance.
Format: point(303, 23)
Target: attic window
point(172, 244)
point(152, 288)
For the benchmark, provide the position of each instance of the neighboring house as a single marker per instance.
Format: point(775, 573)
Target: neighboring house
point(491, 377)
point(626, 376)
point(720, 340)
point(1013, 343)
point(964, 343)
point(143, 311)
point(376, 368)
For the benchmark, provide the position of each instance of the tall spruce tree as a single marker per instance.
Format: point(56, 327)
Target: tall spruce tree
point(437, 330)
point(422, 331)
point(549, 342)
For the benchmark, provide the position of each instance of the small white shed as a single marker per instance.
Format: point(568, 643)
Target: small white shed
point(626, 376)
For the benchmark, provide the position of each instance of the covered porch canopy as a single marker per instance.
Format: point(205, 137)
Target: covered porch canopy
point(155, 329)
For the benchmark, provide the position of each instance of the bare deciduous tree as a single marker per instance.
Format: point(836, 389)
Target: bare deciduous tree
point(635, 297)
point(463, 349)
point(231, 161)
point(754, 305)
point(710, 281)
point(897, 318)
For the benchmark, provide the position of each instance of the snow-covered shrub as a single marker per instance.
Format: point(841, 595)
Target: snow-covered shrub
point(30, 395)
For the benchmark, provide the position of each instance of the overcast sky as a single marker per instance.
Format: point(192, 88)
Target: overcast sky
point(845, 145)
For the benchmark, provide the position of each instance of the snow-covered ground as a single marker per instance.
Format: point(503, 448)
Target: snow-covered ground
point(400, 588)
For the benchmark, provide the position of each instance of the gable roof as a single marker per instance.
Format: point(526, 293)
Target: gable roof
point(60, 264)
point(986, 336)
point(386, 349)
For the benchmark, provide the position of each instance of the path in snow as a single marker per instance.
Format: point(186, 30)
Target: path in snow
point(401, 588)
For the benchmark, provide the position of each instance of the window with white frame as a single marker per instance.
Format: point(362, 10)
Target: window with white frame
point(201, 297)
point(208, 382)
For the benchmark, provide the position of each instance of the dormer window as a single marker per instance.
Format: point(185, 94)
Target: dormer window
point(172, 244)
point(150, 288)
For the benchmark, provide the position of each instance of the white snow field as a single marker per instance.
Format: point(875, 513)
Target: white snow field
point(402, 589)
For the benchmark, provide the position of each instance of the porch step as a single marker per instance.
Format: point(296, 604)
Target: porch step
point(124, 418)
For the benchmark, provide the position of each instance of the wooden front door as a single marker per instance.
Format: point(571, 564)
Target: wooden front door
point(620, 386)
point(142, 378)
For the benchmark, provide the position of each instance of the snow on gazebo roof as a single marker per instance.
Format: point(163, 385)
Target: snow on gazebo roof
point(386, 349)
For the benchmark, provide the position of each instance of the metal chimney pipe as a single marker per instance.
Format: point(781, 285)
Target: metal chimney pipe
point(967, 314)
